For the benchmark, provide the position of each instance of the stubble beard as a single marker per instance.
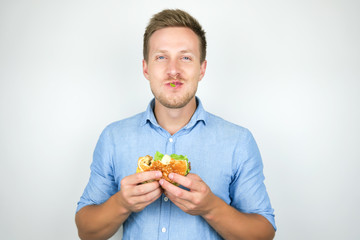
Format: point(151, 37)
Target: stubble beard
point(176, 102)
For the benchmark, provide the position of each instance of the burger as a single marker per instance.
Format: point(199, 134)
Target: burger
point(166, 164)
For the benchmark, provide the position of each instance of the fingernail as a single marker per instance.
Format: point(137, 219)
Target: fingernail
point(161, 181)
point(158, 174)
point(171, 176)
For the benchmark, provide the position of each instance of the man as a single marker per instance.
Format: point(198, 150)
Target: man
point(223, 196)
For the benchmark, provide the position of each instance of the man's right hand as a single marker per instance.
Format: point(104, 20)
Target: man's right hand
point(135, 195)
point(102, 221)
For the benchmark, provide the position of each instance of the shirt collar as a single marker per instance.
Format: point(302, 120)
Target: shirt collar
point(199, 115)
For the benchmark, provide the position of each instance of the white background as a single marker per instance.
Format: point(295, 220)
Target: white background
point(287, 70)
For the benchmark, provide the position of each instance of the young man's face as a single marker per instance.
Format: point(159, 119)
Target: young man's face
point(173, 67)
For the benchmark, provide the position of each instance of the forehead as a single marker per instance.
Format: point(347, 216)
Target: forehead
point(174, 39)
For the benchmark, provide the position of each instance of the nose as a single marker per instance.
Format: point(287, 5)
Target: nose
point(173, 69)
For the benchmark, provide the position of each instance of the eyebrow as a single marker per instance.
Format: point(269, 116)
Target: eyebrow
point(161, 51)
point(166, 51)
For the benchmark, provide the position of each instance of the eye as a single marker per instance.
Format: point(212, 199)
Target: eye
point(160, 58)
point(186, 58)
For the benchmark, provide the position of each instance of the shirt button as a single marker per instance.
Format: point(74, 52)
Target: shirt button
point(166, 199)
point(171, 140)
point(163, 229)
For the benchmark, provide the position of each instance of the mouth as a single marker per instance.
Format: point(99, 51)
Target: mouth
point(174, 84)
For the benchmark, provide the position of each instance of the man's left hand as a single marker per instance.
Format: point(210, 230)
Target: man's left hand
point(199, 200)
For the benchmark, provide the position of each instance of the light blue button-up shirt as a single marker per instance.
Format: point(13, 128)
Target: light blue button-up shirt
point(223, 154)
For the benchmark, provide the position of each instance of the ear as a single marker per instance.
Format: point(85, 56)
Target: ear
point(202, 69)
point(145, 69)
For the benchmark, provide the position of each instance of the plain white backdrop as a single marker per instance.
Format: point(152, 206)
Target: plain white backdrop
point(287, 70)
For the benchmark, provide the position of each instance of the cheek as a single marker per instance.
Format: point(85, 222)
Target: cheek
point(194, 74)
point(156, 71)
point(193, 70)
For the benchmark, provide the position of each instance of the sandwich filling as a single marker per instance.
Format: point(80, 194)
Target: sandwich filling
point(165, 163)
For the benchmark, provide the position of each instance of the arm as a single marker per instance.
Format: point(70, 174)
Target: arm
point(226, 220)
point(232, 224)
point(103, 220)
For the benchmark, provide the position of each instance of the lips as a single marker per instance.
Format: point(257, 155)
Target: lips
point(174, 84)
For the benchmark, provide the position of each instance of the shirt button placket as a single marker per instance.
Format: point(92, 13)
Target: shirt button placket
point(170, 146)
point(164, 219)
point(165, 204)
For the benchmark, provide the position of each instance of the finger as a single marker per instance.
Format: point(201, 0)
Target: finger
point(148, 198)
point(191, 181)
point(143, 189)
point(141, 177)
point(182, 204)
point(138, 203)
point(174, 190)
point(194, 176)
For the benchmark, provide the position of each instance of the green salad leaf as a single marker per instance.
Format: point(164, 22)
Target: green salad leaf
point(158, 156)
point(179, 157)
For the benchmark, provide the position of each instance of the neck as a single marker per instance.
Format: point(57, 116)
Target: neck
point(173, 119)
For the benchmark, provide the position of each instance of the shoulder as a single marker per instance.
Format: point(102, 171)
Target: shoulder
point(227, 128)
point(124, 126)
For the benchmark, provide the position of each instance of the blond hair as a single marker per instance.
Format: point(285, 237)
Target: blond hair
point(174, 18)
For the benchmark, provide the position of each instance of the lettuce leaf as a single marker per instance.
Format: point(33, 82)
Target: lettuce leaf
point(179, 157)
point(158, 156)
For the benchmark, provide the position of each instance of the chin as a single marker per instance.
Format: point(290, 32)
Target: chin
point(174, 103)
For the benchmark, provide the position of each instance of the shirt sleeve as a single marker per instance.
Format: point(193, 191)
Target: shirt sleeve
point(101, 185)
point(247, 189)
